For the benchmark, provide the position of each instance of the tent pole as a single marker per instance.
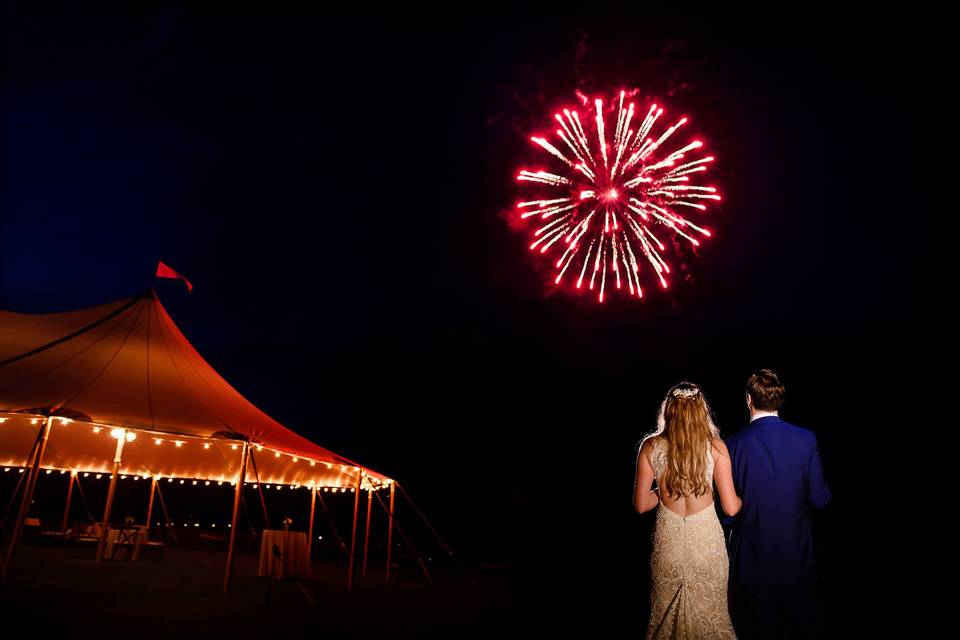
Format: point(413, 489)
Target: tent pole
point(114, 477)
point(13, 498)
point(66, 510)
point(313, 508)
point(390, 530)
point(233, 521)
point(83, 499)
point(263, 501)
point(16, 491)
point(432, 530)
point(366, 538)
point(166, 516)
point(406, 538)
point(153, 494)
point(353, 533)
point(38, 450)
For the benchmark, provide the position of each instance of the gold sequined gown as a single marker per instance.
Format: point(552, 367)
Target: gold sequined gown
point(688, 569)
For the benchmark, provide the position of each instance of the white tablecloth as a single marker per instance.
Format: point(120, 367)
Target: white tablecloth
point(293, 562)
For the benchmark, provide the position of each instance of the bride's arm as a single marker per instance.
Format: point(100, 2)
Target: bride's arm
point(644, 497)
point(723, 477)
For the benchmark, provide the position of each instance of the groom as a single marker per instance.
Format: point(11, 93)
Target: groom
point(777, 473)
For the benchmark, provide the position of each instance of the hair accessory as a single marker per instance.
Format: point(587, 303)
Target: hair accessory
point(685, 393)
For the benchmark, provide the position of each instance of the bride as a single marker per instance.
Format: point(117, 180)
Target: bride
point(688, 566)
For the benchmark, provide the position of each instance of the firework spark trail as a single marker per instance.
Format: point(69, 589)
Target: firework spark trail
point(605, 203)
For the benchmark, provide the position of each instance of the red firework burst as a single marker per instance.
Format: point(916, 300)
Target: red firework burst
point(610, 204)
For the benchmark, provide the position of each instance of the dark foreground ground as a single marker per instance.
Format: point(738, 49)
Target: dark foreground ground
point(53, 591)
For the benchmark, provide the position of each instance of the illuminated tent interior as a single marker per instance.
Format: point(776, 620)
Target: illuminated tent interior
point(117, 389)
point(125, 365)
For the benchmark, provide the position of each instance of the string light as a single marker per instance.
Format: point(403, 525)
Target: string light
point(206, 445)
point(371, 484)
point(96, 429)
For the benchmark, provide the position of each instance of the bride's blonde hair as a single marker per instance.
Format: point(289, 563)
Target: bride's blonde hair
point(686, 423)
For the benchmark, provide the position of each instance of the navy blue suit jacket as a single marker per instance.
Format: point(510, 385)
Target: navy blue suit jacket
point(778, 474)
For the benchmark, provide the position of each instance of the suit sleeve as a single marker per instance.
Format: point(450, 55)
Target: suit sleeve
point(818, 493)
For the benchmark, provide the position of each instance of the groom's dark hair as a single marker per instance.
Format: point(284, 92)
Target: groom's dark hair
point(766, 391)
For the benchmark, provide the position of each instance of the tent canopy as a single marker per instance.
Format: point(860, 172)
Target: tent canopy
point(126, 365)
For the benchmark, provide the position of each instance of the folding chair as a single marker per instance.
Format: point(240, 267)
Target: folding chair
point(125, 543)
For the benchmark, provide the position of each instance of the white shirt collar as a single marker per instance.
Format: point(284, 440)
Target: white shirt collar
point(763, 414)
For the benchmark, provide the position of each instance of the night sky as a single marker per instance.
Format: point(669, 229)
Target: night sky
point(335, 189)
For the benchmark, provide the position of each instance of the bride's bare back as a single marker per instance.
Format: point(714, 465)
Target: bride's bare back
point(718, 466)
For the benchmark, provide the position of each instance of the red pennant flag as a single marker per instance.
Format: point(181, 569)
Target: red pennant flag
point(163, 271)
